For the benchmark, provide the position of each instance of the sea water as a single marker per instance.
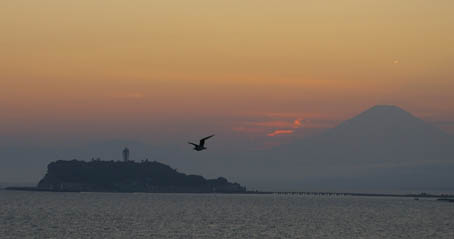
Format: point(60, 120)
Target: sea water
point(142, 215)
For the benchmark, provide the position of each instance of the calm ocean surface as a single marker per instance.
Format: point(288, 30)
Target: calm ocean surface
point(118, 215)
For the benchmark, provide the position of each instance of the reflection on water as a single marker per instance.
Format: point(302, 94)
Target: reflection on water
point(110, 215)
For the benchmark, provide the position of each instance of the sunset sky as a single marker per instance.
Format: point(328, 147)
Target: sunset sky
point(155, 70)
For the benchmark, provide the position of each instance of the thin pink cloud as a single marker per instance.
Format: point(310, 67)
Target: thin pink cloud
point(273, 124)
point(297, 123)
point(280, 131)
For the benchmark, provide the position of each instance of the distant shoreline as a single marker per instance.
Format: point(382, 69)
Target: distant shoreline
point(37, 189)
point(421, 195)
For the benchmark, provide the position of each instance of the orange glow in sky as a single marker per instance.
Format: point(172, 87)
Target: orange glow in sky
point(98, 66)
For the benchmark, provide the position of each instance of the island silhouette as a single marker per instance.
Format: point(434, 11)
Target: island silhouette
point(128, 176)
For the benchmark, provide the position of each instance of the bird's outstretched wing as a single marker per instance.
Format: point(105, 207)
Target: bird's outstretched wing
point(193, 144)
point(202, 141)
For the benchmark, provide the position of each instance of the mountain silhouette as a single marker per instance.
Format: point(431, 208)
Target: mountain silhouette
point(386, 134)
point(386, 122)
point(381, 147)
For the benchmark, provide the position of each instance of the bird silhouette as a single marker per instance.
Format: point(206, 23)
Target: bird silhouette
point(201, 145)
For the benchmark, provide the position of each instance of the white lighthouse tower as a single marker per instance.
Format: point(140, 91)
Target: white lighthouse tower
point(126, 154)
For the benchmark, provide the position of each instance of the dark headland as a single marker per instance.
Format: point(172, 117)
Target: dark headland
point(153, 177)
point(126, 176)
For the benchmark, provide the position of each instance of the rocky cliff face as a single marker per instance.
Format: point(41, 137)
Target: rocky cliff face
point(113, 176)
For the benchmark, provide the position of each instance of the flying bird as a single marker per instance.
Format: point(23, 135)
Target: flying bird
point(201, 145)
